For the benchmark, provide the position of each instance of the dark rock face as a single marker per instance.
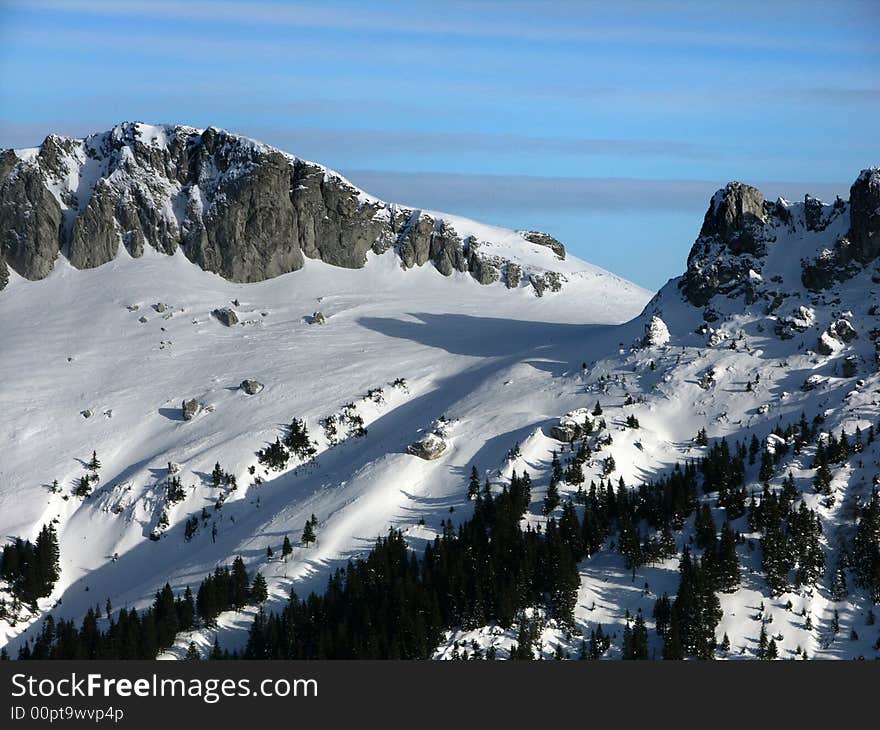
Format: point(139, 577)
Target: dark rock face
point(332, 224)
point(544, 239)
point(481, 269)
point(864, 231)
point(813, 214)
point(860, 246)
point(236, 207)
point(30, 220)
point(736, 215)
point(729, 243)
point(415, 242)
point(250, 232)
point(94, 239)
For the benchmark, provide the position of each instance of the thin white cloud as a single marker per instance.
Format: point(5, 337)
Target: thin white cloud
point(475, 21)
point(510, 193)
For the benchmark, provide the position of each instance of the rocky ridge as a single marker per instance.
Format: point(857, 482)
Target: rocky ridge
point(233, 206)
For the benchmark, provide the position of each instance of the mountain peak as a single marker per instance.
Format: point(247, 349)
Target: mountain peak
point(234, 206)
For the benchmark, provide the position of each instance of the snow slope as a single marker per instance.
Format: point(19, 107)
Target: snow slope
point(485, 368)
point(490, 360)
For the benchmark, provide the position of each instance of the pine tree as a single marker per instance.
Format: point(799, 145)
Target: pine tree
point(551, 501)
point(217, 475)
point(728, 573)
point(308, 535)
point(286, 548)
point(192, 653)
point(240, 592)
point(298, 440)
point(94, 465)
point(473, 484)
point(765, 473)
point(259, 589)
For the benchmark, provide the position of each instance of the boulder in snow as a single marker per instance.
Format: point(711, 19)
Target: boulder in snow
point(190, 408)
point(251, 387)
point(226, 316)
point(843, 330)
point(317, 318)
point(429, 448)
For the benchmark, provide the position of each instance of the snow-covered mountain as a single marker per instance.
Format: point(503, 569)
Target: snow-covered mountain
point(406, 379)
point(235, 207)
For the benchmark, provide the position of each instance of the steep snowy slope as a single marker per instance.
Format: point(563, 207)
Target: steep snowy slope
point(778, 315)
point(488, 359)
point(407, 379)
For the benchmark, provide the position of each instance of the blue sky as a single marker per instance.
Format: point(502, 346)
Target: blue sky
point(607, 124)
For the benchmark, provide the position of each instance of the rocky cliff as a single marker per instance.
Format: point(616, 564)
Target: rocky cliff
point(233, 206)
point(741, 231)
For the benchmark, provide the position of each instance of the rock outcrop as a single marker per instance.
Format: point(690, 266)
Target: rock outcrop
point(429, 448)
point(729, 243)
point(225, 316)
point(30, 220)
point(236, 207)
point(251, 387)
point(864, 229)
point(190, 409)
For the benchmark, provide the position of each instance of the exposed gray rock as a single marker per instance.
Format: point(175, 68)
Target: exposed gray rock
point(566, 432)
point(142, 319)
point(548, 281)
point(160, 307)
point(512, 275)
point(238, 208)
point(251, 387)
point(729, 245)
point(87, 413)
point(226, 316)
point(95, 237)
point(251, 231)
point(735, 214)
point(814, 214)
point(446, 250)
point(415, 243)
point(843, 330)
point(481, 269)
point(864, 201)
point(190, 409)
point(544, 239)
point(429, 448)
point(30, 220)
point(333, 224)
point(317, 318)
